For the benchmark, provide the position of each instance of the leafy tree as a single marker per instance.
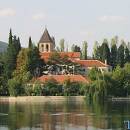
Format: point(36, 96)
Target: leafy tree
point(118, 76)
point(51, 87)
point(15, 87)
point(34, 61)
point(84, 50)
point(71, 88)
point(37, 90)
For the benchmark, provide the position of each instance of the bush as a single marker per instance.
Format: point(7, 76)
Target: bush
point(15, 87)
point(52, 88)
point(37, 89)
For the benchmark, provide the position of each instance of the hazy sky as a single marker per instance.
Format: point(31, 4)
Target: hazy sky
point(74, 20)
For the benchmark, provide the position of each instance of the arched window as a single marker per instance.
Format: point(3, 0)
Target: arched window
point(47, 48)
point(42, 47)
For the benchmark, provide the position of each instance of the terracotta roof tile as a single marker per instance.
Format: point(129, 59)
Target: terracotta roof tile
point(91, 63)
point(71, 55)
point(61, 78)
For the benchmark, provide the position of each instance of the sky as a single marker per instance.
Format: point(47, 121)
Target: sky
point(74, 20)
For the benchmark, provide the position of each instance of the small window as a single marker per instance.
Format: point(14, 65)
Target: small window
point(42, 47)
point(47, 48)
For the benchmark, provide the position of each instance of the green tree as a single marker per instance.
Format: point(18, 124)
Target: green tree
point(84, 50)
point(105, 51)
point(34, 61)
point(62, 45)
point(95, 50)
point(113, 53)
point(30, 44)
point(15, 87)
point(120, 55)
point(11, 55)
point(127, 55)
point(75, 48)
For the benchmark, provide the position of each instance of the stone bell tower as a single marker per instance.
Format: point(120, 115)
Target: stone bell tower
point(46, 43)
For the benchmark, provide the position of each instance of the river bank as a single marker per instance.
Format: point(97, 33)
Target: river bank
point(41, 99)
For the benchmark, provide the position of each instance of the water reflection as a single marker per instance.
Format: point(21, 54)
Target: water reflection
point(64, 116)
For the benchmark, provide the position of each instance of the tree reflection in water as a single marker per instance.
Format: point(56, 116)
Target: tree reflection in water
point(63, 116)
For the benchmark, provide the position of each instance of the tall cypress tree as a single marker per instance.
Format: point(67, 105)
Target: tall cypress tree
point(30, 44)
point(113, 53)
point(11, 56)
point(105, 51)
point(84, 50)
point(120, 55)
point(127, 55)
point(96, 50)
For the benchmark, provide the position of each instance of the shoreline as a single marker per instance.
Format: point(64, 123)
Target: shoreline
point(41, 99)
point(54, 99)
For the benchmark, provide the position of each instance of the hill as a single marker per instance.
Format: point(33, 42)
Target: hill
point(3, 46)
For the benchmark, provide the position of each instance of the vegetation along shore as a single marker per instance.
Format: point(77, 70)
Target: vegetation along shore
point(22, 70)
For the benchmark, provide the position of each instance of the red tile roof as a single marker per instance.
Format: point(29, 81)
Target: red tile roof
point(61, 78)
point(91, 63)
point(71, 55)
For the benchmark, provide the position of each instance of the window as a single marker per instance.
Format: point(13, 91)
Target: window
point(47, 48)
point(42, 47)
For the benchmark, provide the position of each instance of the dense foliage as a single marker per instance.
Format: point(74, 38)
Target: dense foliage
point(19, 66)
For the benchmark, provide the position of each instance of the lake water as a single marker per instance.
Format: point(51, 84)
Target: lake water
point(64, 116)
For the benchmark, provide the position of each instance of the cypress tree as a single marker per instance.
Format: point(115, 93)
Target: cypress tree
point(96, 50)
point(113, 53)
point(11, 56)
point(30, 45)
point(127, 55)
point(121, 55)
point(84, 50)
point(105, 51)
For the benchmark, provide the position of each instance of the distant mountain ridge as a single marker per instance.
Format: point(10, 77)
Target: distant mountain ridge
point(3, 46)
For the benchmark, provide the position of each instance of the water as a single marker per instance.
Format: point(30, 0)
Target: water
point(64, 116)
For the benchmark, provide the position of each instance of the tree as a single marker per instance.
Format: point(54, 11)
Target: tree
point(62, 45)
point(113, 53)
point(95, 50)
point(120, 55)
point(15, 87)
point(105, 51)
point(11, 55)
point(75, 48)
point(34, 61)
point(30, 44)
point(84, 50)
point(127, 55)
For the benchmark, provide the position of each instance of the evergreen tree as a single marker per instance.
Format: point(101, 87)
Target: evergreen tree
point(30, 45)
point(113, 53)
point(84, 50)
point(11, 55)
point(127, 55)
point(105, 51)
point(75, 48)
point(34, 61)
point(95, 50)
point(62, 45)
point(121, 55)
